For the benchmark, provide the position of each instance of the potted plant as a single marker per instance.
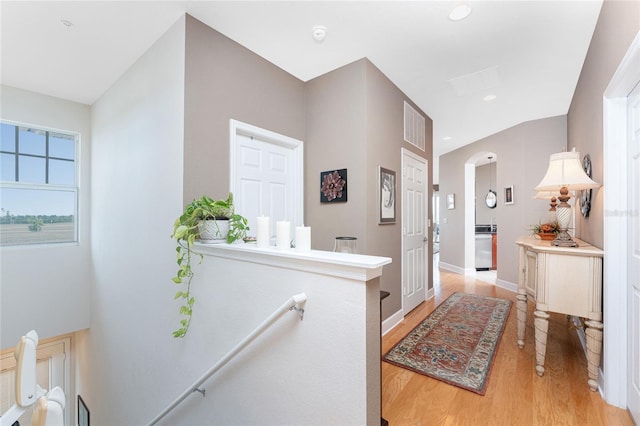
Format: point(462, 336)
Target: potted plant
point(206, 220)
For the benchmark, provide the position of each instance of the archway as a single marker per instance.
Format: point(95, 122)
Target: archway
point(472, 162)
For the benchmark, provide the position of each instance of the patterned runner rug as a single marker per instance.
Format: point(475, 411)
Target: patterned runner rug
point(456, 343)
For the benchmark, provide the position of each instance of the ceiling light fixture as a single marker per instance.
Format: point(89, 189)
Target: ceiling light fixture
point(489, 98)
point(460, 12)
point(66, 23)
point(447, 138)
point(319, 33)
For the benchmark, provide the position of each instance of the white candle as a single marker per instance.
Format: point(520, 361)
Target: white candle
point(283, 234)
point(263, 233)
point(303, 238)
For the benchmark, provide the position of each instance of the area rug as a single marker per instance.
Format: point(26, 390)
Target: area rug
point(456, 343)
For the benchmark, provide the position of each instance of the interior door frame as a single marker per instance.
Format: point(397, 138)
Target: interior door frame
point(427, 229)
point(616, 227)
point(237, 128)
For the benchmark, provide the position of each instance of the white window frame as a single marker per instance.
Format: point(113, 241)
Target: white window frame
point(75, 188)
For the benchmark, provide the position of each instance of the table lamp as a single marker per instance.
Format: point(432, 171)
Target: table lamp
point(565, 173)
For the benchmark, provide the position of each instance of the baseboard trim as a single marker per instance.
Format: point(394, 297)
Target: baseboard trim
point(431, 293)
point(507, 285)
point(396, 318)
point(454, 268)
point(390, 323)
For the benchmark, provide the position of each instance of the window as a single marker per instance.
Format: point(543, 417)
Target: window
point(38, 185)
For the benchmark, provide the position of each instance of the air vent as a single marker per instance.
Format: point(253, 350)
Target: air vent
point(475, 82)
point(414, 126)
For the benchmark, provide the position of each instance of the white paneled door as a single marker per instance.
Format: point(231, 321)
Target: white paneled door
point(633, 200)
point(415, 241)
point(266, 176)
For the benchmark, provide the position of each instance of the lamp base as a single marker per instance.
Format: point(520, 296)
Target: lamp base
point(563, 215)
point(563, 239)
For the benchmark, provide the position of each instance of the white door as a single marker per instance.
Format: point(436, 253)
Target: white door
point(266, 176)
point(633, 152)
point(414, 231)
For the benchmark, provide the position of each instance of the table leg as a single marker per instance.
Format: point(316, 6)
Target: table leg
point(521, 305)
point(541, 323)
point(594, 350)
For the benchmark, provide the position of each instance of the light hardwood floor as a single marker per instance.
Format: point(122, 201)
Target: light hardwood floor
point(515, 394)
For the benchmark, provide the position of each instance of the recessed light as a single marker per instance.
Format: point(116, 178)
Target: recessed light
point(460, 12)
point(489, 98)
point(447, 138)
point(319, 33)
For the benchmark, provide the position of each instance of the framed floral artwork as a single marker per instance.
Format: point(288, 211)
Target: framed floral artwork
point(333, 186)
point(386, 196)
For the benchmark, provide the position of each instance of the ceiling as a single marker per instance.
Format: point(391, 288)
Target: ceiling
point(527, 53)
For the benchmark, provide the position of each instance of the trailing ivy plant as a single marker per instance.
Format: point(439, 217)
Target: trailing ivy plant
point(186, 231)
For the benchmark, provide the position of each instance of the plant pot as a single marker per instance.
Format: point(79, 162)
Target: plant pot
point(213, 231)
point(546, 236)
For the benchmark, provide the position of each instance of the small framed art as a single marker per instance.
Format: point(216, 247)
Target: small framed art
point(508, 194)
point(386, 196)
point(451, 201)
point(333, 186)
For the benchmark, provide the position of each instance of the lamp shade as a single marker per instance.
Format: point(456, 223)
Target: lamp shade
point(565, 170)
point(547, 195)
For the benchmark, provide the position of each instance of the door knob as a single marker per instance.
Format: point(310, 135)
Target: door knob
point(425, 239)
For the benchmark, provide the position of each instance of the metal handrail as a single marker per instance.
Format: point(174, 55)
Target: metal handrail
point(293, 304)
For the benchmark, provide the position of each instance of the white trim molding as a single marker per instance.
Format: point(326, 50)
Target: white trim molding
point(296, 146)
point(616, 226)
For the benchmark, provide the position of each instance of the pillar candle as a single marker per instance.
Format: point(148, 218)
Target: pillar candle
point(263, 233)
point(283, 234)
point(303, 238)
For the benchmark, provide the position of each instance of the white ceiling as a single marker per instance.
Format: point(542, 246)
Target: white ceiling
point(528, 53)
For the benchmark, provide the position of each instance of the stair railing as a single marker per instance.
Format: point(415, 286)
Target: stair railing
point(293, 304)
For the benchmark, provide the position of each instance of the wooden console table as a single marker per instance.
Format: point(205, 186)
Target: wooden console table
point(566, 280)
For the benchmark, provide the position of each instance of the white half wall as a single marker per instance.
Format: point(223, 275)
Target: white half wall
point(323, 370)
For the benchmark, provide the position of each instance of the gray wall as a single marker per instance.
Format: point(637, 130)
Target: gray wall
point(385, 137)
point(224, 80)
point(618, 24)
point(522, 155)
point(336, 139)
point(355, 121)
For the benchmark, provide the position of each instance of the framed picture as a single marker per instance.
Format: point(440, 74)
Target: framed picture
point(386, 196)
point(451, 201)
point(83, 413)
point(508, 194)
point(333, 186)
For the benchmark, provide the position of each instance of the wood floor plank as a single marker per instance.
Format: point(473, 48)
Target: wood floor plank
point(515, 394)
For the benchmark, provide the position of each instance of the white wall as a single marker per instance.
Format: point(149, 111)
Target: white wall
point(323, 370)
point(137, 178)
point(47, 287)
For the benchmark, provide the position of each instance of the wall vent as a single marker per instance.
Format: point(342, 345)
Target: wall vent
point(414, 126)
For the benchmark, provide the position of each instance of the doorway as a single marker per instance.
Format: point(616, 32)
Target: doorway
point(473, 202)
point(266, 175)
point(621, 275)
point(415, 237)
